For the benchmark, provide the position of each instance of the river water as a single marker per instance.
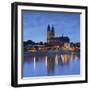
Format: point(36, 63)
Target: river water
point(51, 65)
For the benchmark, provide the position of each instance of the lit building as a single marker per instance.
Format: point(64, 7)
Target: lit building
point(51, 39)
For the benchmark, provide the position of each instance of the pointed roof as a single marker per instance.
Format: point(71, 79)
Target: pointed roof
point(48, 28)
point(52, 28)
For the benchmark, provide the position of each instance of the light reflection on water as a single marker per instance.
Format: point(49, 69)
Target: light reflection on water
point(51, 65)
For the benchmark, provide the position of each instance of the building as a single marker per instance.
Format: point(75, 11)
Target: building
point(53, 42)
point(52, 39)
point(50, 33)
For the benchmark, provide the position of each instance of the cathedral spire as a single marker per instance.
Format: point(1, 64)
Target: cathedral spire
point(48, 28)
point(53, 30)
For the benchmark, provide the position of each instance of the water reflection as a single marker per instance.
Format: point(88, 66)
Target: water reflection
point(64, 64)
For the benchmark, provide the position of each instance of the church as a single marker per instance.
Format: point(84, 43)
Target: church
point(52, 39)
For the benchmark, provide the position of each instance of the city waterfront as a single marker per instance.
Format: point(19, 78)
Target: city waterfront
point(51, 64)
point(51, 44)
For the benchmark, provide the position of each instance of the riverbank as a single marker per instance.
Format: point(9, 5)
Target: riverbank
point(50, 52)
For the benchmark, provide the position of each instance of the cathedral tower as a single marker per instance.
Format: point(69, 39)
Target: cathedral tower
point(50, 33)
point(53, 31)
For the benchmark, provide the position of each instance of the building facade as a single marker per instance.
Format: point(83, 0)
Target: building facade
point(52, 39)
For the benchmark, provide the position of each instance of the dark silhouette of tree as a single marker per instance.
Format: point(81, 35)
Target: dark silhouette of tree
point(29, 42)
point(41, 43)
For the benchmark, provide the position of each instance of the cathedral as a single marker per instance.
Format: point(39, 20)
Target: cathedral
point(55, 40)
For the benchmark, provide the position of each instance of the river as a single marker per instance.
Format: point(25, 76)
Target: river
point(51, 65)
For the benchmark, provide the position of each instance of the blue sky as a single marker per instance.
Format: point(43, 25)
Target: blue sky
point(35, 25)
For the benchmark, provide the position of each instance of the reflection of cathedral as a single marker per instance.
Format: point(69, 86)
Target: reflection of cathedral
point(52, 39)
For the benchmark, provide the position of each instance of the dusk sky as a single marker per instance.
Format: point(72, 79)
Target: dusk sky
point(35, 25)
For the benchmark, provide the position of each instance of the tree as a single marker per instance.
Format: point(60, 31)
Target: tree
point(29, 42)
point(41, 43)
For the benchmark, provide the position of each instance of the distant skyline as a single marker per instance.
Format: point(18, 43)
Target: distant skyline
point(35, 25)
